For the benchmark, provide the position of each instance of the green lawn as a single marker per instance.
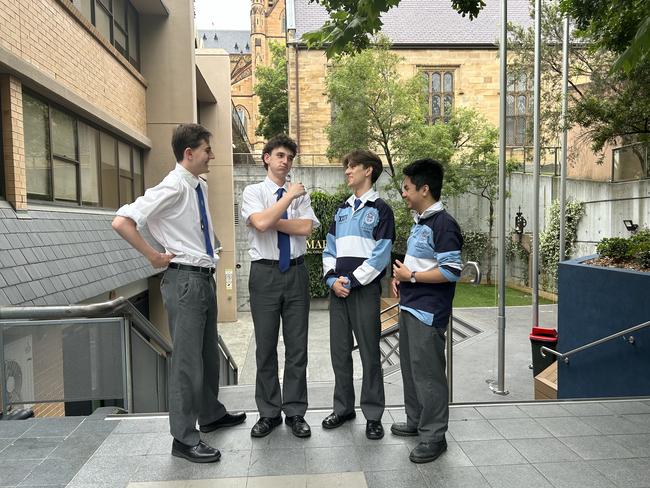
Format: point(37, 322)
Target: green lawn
point(486, 296)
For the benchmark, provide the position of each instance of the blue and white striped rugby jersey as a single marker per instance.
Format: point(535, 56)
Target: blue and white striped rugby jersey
point(435, 241)
point(359, 241)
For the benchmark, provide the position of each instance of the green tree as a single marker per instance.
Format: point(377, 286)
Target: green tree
point(271, 88)
point(350, 22)
point(372, 106)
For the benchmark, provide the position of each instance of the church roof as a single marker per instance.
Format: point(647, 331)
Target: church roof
point(232, 41)
point(416, 22)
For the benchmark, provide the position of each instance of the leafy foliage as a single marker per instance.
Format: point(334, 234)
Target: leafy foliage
point(549, 240)
point(475, 246)
point(271, 88)
point(351, 23)
point(614, 248)
point(634, 249)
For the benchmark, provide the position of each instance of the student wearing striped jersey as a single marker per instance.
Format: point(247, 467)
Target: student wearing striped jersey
point(355, 259)
point(425, 283)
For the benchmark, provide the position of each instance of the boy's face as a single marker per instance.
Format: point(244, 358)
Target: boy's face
point(413, 197)
point(356, 175)
point(198, 159)
point(279, 161)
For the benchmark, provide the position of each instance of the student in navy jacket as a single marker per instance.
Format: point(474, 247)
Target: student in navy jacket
point(355, 258)
point(425, 283)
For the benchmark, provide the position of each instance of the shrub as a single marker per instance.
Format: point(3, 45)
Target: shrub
point(615, 248)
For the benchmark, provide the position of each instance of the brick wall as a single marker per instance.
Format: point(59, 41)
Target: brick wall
point(13, 144)
point(55, 38)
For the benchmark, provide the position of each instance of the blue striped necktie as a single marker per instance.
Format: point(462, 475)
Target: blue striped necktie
point(205, 227)
point(357, 203)
point(284, 244)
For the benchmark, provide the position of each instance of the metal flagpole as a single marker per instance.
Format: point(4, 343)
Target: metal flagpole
point(565, 130)
point(536, 158)
point(501, 246)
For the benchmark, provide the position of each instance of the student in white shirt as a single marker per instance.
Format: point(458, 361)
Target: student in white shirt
point(279, 217)
point(177, 215)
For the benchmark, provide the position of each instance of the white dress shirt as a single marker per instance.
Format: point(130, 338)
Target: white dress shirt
point(170, 211)
point(264, 245)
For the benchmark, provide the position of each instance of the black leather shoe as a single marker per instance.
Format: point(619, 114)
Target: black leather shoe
point(332, 421)
point(299, 427)
point(265, 425)
point(228, 420)
point(425, 452)
point(201, 453)
point(374, 430)
point(402, 429)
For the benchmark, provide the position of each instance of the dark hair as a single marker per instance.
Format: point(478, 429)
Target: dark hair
point(281, 140)
point(188, 135)
point(367, 159)
point(426, 172)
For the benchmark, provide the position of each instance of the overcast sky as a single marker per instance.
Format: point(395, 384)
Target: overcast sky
point(223, 14)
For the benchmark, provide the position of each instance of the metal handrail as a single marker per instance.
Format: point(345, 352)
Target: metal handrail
point(565, 356)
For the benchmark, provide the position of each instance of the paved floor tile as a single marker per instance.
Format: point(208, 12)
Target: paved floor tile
point(115, 471)
point(30, 448)
point(501, 412)
point(596, 447)
point(516, 476)
point(641, 419)
point(544, 410)
point(204, 483)
point(395, 479)
point(384, 457)
point(487, 453)
point(4, 443)
point(462, 477)
point(330, 437)
point(12, 429)
point(91, 426)
point(637, 444)
point(578, 474)
point(139, 426)
point(629, 407)
point(473, 430)
point(464, 413)
point(280, 438)
point(162, 443)
point(615, 424)
point(331, 460)
point(54, 471)
point(545, 450)
point(630, 473)
point(519, 428)
point(126, 445)
point(165, 467)
point(270, 462)
point(336, 480)
point(454, 456)
point(80, 446)
point(359, 436)
point(587, 409)
point(54, 427)
point(16, 470)
point(566, 426)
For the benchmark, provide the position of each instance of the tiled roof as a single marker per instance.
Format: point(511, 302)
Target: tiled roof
point(226, 40)
point(428, 21)
point(60, 258)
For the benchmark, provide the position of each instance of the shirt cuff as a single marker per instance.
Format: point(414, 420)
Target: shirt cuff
point(129, 211)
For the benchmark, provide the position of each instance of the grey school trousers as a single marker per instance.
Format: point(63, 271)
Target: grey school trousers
point(275, 295)
point(359, 313)
point(191, 303)
point(422, 359)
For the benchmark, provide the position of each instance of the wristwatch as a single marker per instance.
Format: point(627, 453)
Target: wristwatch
point(413, 280)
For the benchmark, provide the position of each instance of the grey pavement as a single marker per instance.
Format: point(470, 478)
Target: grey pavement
point(498, 446)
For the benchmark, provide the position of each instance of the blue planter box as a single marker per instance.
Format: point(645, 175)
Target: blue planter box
point(594, 302)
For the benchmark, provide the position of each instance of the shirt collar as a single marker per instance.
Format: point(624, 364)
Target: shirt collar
point(187, 176)
point(436, 207)
point(369, 196)
point(272, 186)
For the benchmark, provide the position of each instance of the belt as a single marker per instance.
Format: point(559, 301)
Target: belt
point(189, 267)
point(273, 262)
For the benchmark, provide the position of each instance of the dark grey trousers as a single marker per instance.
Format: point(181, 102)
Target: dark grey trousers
point(191, 304)
point(422, 359)
point(358, 313)
point(275, 295)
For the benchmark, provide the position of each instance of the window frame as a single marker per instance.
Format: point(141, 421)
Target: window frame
point(512, 89)
point(442, 93)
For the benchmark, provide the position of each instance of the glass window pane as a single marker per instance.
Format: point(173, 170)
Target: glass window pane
point(63, 134)
point(134, 55)
point(119, 12)
point(521, 105)
point(435, 82)
point(449, 82)
point(521, 83)
point(37, 146)
point(88, 164)
point(435, 106)
point(126, 193)
point(510, 131)
point(124, 157)
point(138, 180)
point(510, 105)
point(120, 40)
point(65, 180)
point(85, 8)
point(109, 171)
point(449, 103)
point(511, 82)
point(102, 21)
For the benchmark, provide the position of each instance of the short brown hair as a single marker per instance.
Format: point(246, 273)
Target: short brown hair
point(280, 140)
point(188, 135)
point(367, 159)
